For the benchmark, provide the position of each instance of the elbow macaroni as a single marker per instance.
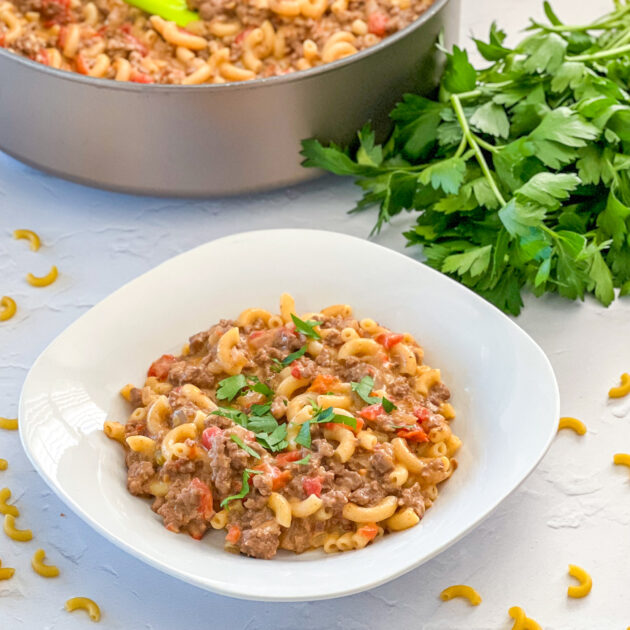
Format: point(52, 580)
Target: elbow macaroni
point(461, 590)
point(584, 579)
point(45, 570)
point(84, 603)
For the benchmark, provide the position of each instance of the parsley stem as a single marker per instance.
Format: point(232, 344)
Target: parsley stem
point(468, 135)
point(603, 54)
point(461, 147)
point(487, 146)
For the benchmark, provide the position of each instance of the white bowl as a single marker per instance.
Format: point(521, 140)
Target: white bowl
point(504, 391)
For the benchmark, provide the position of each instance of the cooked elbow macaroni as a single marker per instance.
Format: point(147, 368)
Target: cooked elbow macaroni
point(117, 41)
point(254, 430)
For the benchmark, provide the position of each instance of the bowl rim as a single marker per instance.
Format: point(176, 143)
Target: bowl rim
point(234, 592)
point(293, 77)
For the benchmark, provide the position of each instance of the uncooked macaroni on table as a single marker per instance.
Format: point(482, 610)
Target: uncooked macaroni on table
point(290, 432)
point(233, 41)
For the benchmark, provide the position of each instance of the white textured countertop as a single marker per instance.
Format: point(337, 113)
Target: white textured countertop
point(574, 509)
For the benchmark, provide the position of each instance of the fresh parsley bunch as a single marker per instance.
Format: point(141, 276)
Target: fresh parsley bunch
point(521, 170)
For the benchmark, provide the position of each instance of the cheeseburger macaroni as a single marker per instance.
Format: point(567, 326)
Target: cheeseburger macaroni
point(232, 40)
point(290, 432)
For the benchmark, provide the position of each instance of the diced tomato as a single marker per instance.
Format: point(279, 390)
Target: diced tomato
point(377, 24)
point(62, 37)
point(323, 383)
point(372, 412)
point(205, 509)
point(140, 77)
point(422, 413)
point(241, 36)
point(234, 534)
point(208, 435)
point(369, 531)
point(126, 27)
point(256, 334)
point(312, 485)
point(2, 40)
point(295, 371)
point(332, 425)
point(83, 69)
point(282, 459)
point(279, 478)
point(158, 368)
point(413, 434)
point(42, 57)
point(389, 340)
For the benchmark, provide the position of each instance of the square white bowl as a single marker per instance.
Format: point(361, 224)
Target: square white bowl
point(503, 387)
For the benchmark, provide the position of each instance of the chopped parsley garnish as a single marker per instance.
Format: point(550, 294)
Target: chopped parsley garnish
point(279, 365)
point(230, 387)
point(244, 488)
point(269, 434)
point(306, 327)
point(363, 389)
point(303, 461)
point(234, 415)
point(260, 410)
point(241, 444)
point(326, 415)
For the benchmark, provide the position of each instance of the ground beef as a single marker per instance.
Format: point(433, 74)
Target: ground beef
point(181, 505)
point(412, 497)
point(399, 387)
point(183, 372)
point(353, 369)
point(139, 475)
point(368, 494)
point(439, 393)
point(261, 541)
point(381, 462)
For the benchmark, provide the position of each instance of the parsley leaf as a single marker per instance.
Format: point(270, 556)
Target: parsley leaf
point(459, 76)
point(304, 435)
point(235, 415)
point(248, 449)
point(231, 386)
point(293, 356)
point(244, 488)
point(364, 388)
point(306, 328)
point(303, 461)
point(260, 410)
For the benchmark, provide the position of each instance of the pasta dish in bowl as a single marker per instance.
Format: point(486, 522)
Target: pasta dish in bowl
point(291, 432)
point(350, 463)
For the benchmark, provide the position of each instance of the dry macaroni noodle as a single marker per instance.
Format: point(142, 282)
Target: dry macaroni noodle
point(6, 573)
point(9, 424)
point(461, 590)
point(84, 603)
point(584, 579)
point(43, 281)
point(623, 389)
point(622, 459)
point(9, 308)
point(20, 535)
point(572, 423)
point(4, 464)
point(30, 236)
point(521, 620)
point(5, 508)
point(45, 570)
